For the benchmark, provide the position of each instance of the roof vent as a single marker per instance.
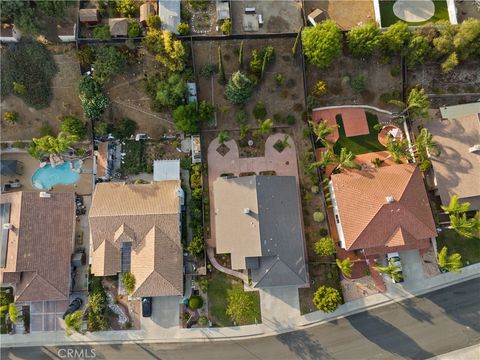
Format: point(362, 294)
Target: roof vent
point(44, 194)
point(7, 226)
point(475, 148)
point(246, 211)
point(390, 199)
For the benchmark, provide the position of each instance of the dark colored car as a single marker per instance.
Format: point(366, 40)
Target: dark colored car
point(147, 306)
point(74, 306)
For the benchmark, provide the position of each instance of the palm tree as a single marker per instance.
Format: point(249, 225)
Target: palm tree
point(392, 270)
point(468, 228)
point(264, 127)
point(321, 130)
point(425, 145)
point(328, 158)
point(398, 149)
point(454, 207)
point(73, 322)
point(451, 262)
point(345, 267)
point(346, 160)
point(417, 103)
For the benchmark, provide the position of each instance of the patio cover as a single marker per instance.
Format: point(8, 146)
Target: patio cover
point(8, 167)
point(166, 170)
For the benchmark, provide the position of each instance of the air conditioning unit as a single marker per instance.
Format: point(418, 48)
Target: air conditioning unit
point(44, 194)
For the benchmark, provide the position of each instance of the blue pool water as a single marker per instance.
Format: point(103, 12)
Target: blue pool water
point(47, 177)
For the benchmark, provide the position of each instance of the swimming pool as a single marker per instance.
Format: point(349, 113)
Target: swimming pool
point(47, 177)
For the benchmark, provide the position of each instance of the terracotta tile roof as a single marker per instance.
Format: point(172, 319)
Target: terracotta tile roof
point(367, 217)
point(148, 216)
point(40, 225)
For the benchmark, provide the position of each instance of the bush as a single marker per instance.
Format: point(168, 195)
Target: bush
point(154, 22)
point(185, 163)
point(196, 246)
point(86, 55)
point(327, 299)
point(202, 320)
point(315, 189)
point(425, 165)
point(324, 247)
point(20, 144)
point(20, 65)
point(93, 101)
point(239, 88)
point(260, 111)
point(73, 322)
point(186, 118)
point(125, 128)
point(10, 117)
point(241, 117)
point(195, 302)
point(358, 83)
point(127, 8)
point(318, 216)
point(109, 62)
point(323, 232)
point(279, 79)
point(74, 126)
point(322, 43)
point(102, 32)
point(128, 282)
point(226, 27)
point(183, 29)
point(208, 70)
point(134, 29)
point(168, 51)
point(320, 88)
point(261, 58)
point(291, 120)
point(171, 92)
point(101, 128)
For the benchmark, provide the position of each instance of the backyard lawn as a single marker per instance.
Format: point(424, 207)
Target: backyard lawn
point(468, 248)
point(361, 144)
point(388, 17)
point(218, 286)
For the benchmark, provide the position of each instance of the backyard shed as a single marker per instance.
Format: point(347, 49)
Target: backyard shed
point(146, 10)
point(118, 26)
point(89, 16)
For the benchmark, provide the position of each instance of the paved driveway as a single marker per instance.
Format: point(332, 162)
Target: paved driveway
point(165, 313)
point(280, 306)
point(412, 268)
point(47, 315)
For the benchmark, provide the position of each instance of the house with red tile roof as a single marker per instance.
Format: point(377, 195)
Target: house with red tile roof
point(38, 232)
point(383, 210)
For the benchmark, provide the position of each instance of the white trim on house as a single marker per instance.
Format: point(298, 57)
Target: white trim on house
point(336, 215)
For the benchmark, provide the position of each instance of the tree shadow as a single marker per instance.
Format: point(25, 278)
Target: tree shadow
point(415, 312)
point(304, 346)
point(387, 336)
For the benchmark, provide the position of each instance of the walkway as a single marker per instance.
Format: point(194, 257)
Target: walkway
point(219, 267)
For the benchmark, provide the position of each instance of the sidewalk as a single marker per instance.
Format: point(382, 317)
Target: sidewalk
point(394, 293)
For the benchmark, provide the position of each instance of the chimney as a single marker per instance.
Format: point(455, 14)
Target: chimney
point(390, 199)
point(246, 211)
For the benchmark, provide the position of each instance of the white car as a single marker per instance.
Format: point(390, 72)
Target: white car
point(394, 258)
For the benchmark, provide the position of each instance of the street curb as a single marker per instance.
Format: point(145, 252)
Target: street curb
point(260, 334)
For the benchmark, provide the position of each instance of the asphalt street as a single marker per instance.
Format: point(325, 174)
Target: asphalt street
point(418, 328)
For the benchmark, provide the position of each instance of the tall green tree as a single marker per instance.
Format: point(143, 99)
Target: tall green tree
point(418, 50)
point(52, 145)
point(425, 145)
point(328, 158)
point(186, 118)
point(241, 306)
point(363, 40)
point(322, 43)
point(417, 103)
point(443, 43)
point(239, 88)
point(392, 270)
point(466, 227)
point(171, 91)
point(467, 39)
point(454, 207)
point(452, 262)
point(74, 126)
point(395, 38)
point(398, 149)
point(240, 55)
point(327, 299)
point(167, 50)
point(108, 62)
point(345, 266)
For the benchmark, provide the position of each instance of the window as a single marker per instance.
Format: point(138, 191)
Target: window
point(126, 256)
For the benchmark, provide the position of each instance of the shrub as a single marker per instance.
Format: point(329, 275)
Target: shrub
point(291, 120)
point(315, 189)
point(74, 126)
point(20, 144)
point(450, 63)
point(134, 29)
point(239, 88)
point(93, 101)
point(208, 70)
point(102, 32)
point(241, 117)
point(170, 92)
point(320, 88)
point(425, 165)
point(363, 40)
point(260, 111)
point(127, 8)
point(323, 232)
point(279, 79)
point(322, 43)
point(261, 58)
point(196, 246)
point(101, 128)
point(318, 216)
point(226, 27)
point(195, 302)
point(125, 128)
point(168, 51)
point(86, 55)
point(186, 118)
point(109, 62)
point(183, 29)
point(73, 322)
point(358, 83)
point(20, 65)
point(202, 320)
point(205, 111)
point(327, 299)
point(154, 22)
point(128, 282)
point(10, 117)
point(324, 247)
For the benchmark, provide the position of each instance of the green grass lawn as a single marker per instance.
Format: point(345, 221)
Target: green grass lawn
point(359, 144)
point(468, 248)
point(389, 18)
point(135, 159)
point(218, 286)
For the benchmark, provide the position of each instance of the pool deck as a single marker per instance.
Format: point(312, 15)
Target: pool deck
point(83, 186)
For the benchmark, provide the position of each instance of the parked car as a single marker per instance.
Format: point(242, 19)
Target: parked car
point(395, 256)
point(146, 306)
point(74, 306)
